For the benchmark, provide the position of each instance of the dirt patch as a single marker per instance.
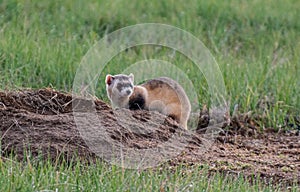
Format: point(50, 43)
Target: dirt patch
point(43, 122)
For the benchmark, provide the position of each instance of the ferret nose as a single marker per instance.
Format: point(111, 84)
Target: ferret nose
point(128, 92)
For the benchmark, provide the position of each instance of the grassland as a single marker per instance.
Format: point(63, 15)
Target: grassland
point(35, 175)
point(255, 43)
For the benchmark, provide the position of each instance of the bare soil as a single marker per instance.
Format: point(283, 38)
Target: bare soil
point(42, 122)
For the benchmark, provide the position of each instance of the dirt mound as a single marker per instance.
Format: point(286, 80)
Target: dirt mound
point(43, 122)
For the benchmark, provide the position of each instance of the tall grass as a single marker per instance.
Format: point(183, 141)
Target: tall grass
point(33, 175)
point(255, 43)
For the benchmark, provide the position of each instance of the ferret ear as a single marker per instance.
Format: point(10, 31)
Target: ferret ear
point(109, 78)
point(131, 77)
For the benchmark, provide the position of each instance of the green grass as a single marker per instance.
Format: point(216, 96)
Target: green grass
point(33, 175)
point(256, 44)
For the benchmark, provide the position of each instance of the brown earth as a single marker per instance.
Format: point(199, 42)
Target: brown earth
point(42, 122)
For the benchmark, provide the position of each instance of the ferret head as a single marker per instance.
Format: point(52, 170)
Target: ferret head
point(119, 88)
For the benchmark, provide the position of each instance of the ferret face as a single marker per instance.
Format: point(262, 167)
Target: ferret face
point(119, 86)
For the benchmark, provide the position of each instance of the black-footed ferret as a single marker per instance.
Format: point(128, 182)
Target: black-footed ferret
point(160, 94)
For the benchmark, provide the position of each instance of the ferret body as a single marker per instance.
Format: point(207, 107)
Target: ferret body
point(160, 94)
